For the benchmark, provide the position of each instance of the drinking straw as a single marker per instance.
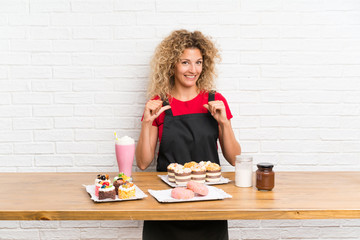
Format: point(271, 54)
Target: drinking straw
point(116, 135)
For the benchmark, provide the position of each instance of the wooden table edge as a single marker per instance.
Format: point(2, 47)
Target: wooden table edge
point(189, 215)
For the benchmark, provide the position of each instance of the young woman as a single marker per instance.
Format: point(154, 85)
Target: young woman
point(187, 117)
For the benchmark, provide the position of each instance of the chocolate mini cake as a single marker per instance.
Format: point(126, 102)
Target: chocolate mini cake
point(107, 192)
point(182, 176)
point(198, 174)
point(118, 183)
point(171, 171)
point(213, 172)
point(119, 180)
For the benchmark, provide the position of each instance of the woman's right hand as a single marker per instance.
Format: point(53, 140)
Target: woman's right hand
point(153, 108)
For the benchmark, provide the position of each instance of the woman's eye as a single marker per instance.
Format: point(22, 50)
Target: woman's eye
point(199, 62)
point(184, 62)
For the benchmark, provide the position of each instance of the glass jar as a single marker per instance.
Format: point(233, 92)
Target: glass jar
point(243, 171)
point(265, 177)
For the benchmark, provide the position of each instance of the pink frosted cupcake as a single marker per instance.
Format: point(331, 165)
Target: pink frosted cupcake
point(99, 181)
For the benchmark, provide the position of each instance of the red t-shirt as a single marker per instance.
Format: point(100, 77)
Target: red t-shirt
point(195, 105)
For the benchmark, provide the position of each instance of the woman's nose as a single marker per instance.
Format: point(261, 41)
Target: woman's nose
point(192, 68)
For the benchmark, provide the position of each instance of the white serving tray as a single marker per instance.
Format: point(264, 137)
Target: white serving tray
point(164, 196)
point(171, 184)
point(139, 194)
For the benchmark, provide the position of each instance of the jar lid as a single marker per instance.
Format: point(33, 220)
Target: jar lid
point(265, 165)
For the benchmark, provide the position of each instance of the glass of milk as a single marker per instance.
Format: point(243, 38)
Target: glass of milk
point(125, 150)
point(244, 171)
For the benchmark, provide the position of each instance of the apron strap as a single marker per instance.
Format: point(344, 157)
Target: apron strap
point(168, 111)
point(211, 96)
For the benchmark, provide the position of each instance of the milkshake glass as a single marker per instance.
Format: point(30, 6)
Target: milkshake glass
point(125, 150)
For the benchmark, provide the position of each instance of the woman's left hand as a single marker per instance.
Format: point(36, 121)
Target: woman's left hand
point(217, 110)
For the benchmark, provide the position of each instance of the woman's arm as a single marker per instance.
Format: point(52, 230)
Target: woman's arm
point(229, 145)
point(145, 149)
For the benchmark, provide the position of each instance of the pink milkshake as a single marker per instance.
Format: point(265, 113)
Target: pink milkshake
point(125, 150)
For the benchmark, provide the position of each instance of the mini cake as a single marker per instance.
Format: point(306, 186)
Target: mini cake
point(107, 191)
point(171, 171)
point(127, 190)
point(190, 164)
point(198, 173)
point(182, 175)
point(100, 179)
point(213, 172)
point(120, 180)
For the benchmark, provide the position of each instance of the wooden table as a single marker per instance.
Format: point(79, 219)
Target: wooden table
point(297, 195)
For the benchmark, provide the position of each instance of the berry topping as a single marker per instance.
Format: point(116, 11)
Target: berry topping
point(103, 176)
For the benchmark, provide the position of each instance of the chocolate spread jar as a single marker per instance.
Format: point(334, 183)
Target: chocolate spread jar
point(265, 177)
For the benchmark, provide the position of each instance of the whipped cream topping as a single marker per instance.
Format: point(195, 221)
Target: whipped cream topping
point(126, 140)
point(182, 170)
point(204, 163)
point(126, 189)
point(198, 168)
point(108, 189)
point(172, 166)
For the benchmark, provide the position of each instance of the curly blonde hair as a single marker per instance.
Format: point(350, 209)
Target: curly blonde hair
point(167, 54)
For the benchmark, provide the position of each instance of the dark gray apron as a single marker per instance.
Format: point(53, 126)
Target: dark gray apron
point(185, 138)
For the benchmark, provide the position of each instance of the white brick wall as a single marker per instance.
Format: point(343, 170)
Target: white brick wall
point(338, 229)
point(72, 71)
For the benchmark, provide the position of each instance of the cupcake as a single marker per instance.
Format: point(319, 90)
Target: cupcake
point(213, 172)
point(171, 171)
point(182, 175)
point(127, 190)
point(198, 173)
point(107, 191)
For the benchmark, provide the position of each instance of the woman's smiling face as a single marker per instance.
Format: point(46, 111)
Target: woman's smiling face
point(189, 68)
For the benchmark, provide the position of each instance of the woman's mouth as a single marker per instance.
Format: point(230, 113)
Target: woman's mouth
point(190, 76)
